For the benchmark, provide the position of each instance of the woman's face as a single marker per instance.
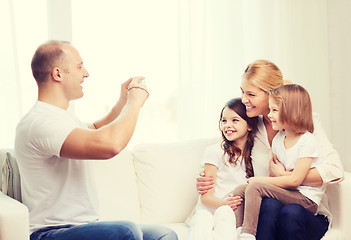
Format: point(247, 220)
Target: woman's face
point(255, 99)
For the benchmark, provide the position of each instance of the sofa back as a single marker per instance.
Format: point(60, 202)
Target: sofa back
point(117, 188)
point(166, 179)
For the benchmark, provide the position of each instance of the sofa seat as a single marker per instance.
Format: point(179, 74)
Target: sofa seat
point(155, 184)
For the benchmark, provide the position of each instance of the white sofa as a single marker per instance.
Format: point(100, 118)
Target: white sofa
point(155, 183)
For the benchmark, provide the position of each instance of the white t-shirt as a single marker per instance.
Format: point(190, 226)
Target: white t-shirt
point(330, 167)
point(229, 176)
point(306, 146)
point(56, 190)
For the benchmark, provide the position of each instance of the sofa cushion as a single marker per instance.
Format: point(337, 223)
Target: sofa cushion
point(116, 185)
point(11, 182)
point(166, 178)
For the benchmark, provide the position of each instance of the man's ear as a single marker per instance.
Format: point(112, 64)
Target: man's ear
point(56, 74)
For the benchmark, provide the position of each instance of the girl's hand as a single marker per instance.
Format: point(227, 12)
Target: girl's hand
point(203, 183)
point(233, 201)
point(276, 168)
point(257, 179)
point(252, 179)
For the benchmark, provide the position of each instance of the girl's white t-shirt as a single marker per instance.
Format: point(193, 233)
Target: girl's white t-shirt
point(229, 176)
point(306, 146)
point(56, 190)
point(330, 168)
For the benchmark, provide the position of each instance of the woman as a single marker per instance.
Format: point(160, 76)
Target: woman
point(276, 221)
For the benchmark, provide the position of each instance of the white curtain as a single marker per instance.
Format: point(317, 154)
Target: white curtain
point(308, 40)
point(339, 25)
point(193, 53)
point(10, 99)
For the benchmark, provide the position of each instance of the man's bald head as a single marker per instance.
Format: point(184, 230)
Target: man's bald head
point(46, 58)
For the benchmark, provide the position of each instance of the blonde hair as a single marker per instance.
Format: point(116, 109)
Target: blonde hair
point(295, 107)
point(264, 74)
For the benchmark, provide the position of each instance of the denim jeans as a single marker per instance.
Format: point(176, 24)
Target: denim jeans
point(289, 222)
point(117, 230)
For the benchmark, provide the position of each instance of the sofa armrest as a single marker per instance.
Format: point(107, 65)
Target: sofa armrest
point(14, 219)
point(339, 197)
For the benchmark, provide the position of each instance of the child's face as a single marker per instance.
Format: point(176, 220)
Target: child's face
point(274, 115)
point(233, 127)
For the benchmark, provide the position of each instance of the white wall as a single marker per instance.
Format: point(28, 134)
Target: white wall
point(339, 26)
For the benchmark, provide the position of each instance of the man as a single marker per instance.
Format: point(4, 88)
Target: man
point(52, 148)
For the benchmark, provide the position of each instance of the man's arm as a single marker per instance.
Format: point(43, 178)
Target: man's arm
point(117, 109)
point(109, 139)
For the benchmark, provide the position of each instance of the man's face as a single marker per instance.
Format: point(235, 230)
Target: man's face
point(73, 73)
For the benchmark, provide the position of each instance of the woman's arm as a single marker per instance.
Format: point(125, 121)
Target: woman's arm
point(204, 183)
point(330, 168)
point(208, 199)
point(292, 180)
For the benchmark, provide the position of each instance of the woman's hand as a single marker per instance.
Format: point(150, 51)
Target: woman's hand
point(276, 168)
point(203, 183)
point(233, 201)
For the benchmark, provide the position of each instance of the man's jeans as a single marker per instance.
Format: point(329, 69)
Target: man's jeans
point(289, 222)
point(117, 230)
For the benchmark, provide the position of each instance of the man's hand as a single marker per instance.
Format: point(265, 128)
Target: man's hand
point(124, 91)
point(233, 201)
point(137, 92)
point(203, 183)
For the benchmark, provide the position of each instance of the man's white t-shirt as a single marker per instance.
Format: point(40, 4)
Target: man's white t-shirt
point(306, 146)
point(56, 190)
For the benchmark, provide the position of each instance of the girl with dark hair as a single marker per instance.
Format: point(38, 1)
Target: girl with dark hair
point(229, 163)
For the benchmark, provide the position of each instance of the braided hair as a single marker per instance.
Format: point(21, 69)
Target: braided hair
point(230, 148)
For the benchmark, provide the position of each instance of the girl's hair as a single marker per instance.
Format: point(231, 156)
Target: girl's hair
point(264, 75)
point(230, 147)
point(295, 107)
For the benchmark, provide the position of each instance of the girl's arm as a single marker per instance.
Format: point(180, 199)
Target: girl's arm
point(329, 170)
point(313, 178)
point(292, 180)
point(208, 199)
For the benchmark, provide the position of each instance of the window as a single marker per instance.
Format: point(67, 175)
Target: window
point(22, 32)
point(121, 39)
